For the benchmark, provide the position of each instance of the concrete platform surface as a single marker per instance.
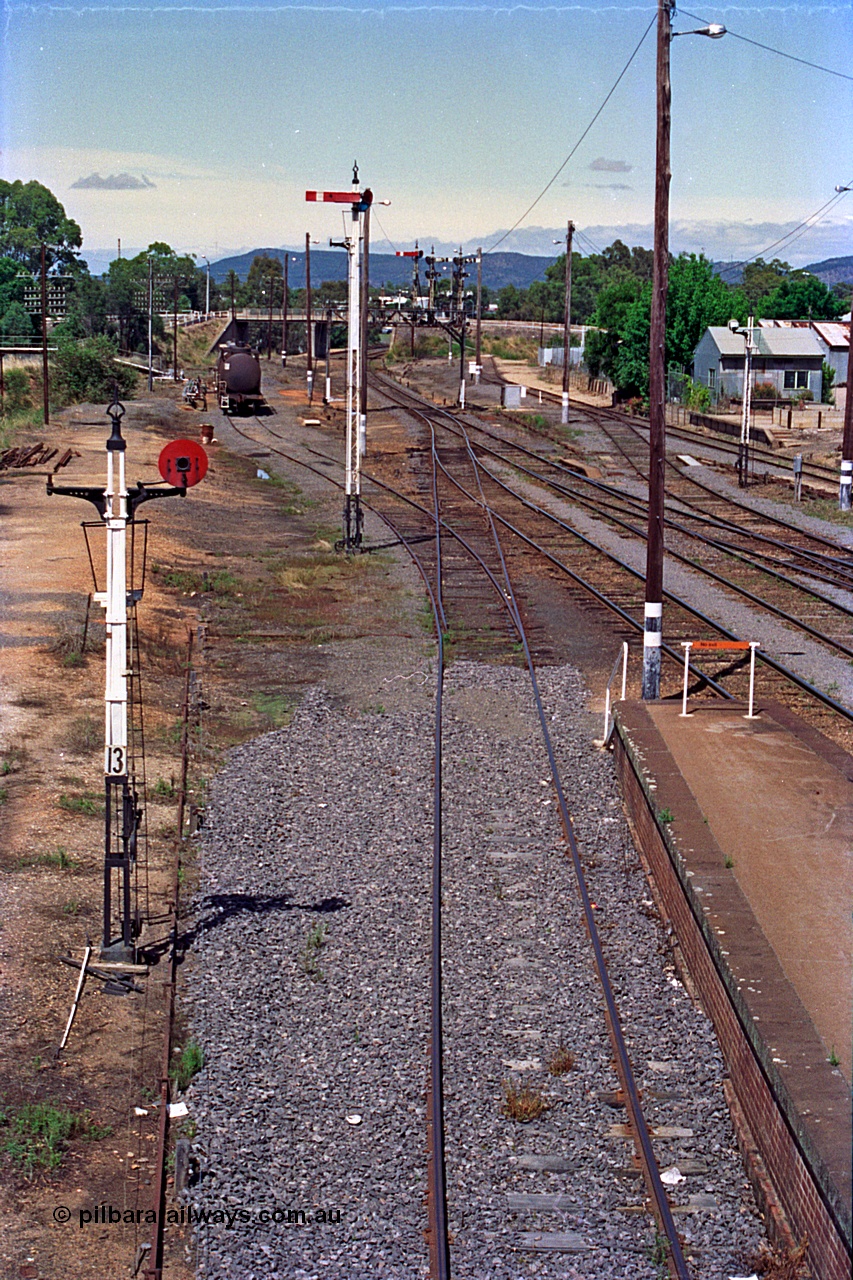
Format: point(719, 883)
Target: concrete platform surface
point(781, 810)
point(756, 821)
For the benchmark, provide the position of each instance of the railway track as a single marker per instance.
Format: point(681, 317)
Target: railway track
point(615, 580)
point(727, 448)
point(460, 547)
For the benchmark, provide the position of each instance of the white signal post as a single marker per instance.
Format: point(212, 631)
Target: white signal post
point(185, 461)
point(356, 425)
point(114, 600)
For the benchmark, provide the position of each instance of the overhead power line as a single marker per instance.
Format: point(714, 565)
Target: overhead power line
point(550, 184)
point(794, 234)
point(769, 49)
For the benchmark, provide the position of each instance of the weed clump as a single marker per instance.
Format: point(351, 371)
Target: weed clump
point(562, 1061)
point(37, 1134)
point(522, 1103)
point(189, 1064)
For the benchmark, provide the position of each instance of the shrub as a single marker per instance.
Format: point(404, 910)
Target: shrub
point(88, 371)
point(18, 390)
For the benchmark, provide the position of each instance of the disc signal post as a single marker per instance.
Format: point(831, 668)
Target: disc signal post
point(356, 421)
point(183, 463)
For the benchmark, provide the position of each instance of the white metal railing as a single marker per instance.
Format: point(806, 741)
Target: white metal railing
point(722, 646)
point(621, 661)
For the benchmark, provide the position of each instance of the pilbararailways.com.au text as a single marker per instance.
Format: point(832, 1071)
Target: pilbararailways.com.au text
point(231, 1219)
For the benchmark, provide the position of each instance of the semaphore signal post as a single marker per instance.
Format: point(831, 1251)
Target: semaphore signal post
point(356, 422)
point(184, 463)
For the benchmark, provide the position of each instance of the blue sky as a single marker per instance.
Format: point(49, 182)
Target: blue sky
point(222, 114)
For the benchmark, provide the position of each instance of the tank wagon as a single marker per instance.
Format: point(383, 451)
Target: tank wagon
point(238, 379)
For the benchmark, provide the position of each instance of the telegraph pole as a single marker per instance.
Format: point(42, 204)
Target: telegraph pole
point(284, 302)
point(478, 351)
point(653, 611)
point(44, 368)
point(567, 324)
point(847, 439)
point(269, 326)
point(175, 330)
point(746, 411)
point(150, 324)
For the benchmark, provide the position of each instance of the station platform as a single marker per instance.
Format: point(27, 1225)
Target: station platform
point(747, 829)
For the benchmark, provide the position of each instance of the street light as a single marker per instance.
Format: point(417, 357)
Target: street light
point(749, 350)
point(567, 321)
point(653, 611)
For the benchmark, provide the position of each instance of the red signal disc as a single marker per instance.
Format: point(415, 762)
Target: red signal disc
point(183, 462)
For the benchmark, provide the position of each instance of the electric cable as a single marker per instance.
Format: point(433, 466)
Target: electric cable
point(801, 227)
point(769, 49)
point(550, 184)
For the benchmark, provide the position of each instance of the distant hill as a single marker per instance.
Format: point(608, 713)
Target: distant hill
point(830, 271)
point(499, 269)
point(833, 270)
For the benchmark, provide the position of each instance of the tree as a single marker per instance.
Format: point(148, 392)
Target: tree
point(16, 321)
point(801, 297)
point(30, 215)
point(611, 312)
point(255, 292)
point(760, 278)
point(696, 298)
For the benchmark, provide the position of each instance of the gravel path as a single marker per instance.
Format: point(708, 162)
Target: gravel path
point(310, 1003)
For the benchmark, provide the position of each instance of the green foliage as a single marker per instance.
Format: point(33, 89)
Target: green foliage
point(18, 390)
point(801, 296)
point(86, 803)
point(37, 1134)
point(255, 292)
point(614, 302)
point(189, 1063)
point(16, 321)
point(697, 395)
point(760, 278)
point(696, 298)
point(87, 371)
point(29, 215)
point(827, 393)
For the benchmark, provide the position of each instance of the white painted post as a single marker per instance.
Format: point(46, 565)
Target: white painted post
point(115, 694)
point(624, 668)
point(753, 645)
point(686, 645)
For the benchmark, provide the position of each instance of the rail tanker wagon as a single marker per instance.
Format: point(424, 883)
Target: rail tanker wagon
point(238, 379)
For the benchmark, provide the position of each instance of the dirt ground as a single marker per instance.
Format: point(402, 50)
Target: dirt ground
point(246, 565)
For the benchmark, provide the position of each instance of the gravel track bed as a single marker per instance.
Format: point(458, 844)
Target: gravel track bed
point(327, 824)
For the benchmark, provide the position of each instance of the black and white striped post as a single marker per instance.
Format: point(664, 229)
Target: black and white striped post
point(653, 612)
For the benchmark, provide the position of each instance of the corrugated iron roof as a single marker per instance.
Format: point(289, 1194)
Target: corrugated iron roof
point(833, 333)
point(770, 342)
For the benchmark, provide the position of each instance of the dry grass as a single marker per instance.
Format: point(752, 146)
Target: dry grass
point(562, 1060)
point(522, 1102)
point(788, 1263)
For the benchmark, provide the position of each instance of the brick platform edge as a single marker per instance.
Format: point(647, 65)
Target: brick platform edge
point(799, 1178)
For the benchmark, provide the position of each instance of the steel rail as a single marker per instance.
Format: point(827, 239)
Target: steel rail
point(651, 1173)
point(819, 558)
point(640, 533)
point(770, 662)
point(794, 621)
point(620, 497)
point(742, 506)
point(723, 443)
